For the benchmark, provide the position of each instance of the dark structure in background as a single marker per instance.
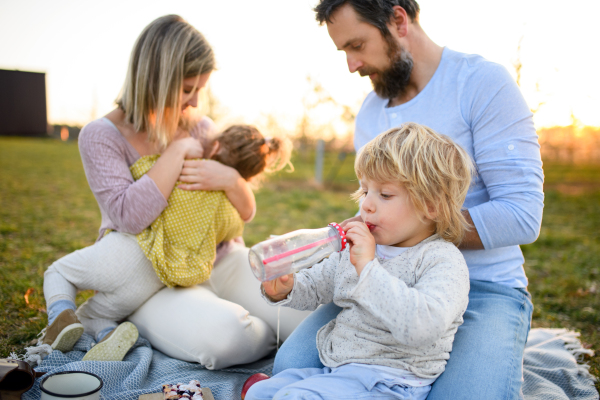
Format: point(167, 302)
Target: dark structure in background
point(23, 103)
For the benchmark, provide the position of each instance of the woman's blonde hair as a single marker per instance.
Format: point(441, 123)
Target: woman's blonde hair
point(435, 171)
point(167, 51)
point(244, 148)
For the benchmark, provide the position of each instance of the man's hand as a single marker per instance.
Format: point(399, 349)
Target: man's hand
point(362, 244)
point(471, 240)
point(279, 288)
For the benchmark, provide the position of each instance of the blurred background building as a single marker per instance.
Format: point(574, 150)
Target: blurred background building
point(23, 103)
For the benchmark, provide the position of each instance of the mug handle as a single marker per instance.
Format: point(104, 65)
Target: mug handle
point(16, 377)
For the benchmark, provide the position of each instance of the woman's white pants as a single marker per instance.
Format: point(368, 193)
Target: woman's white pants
point(220, 323)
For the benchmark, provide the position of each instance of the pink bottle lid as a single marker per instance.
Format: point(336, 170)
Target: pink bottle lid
point(342, 234)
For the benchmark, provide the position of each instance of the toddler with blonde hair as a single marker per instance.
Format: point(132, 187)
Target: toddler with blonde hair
point(402, 284)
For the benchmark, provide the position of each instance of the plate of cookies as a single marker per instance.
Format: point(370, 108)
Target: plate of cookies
point(183, 391)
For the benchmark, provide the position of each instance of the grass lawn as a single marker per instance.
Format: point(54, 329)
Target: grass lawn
point(47, 211)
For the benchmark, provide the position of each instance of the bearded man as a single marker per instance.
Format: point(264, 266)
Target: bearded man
point(478, 105)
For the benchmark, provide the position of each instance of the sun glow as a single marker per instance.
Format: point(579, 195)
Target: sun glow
point(64, 133)
point(262, 68)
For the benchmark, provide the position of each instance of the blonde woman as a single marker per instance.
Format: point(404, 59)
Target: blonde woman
point(170, 63)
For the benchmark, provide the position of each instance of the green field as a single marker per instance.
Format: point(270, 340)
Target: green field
point(47, 211)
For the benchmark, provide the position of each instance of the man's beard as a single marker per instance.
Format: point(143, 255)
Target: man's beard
point(392, 82)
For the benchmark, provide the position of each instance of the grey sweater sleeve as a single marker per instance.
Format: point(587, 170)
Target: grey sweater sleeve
point(312, 286)
point(417, 316)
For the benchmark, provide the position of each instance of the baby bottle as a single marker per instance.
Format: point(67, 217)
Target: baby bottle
point(294, 251)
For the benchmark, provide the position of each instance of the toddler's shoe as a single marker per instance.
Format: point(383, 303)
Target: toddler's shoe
point(64, 332)
point(115, 345)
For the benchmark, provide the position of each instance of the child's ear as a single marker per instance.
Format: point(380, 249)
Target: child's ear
point(431, 211)
point(215, 149)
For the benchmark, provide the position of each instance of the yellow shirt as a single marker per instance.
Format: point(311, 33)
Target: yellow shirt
point(181, 242)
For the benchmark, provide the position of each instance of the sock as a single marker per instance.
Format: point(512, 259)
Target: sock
point(57, 307)
point(103, 333)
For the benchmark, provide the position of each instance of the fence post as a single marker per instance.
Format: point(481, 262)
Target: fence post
point(319, 161)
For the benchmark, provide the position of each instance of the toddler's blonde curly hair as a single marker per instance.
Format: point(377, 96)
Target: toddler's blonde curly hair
point(435, 171)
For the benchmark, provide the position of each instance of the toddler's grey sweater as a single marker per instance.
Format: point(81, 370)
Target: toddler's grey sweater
point(401, 313)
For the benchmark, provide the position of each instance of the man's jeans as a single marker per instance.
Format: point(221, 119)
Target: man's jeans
point(487, 354)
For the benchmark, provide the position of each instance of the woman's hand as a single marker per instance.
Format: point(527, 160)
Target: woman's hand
point(207, 175)
point(212, 175)
point(168, 167)
point(189, 147)
point(279, 288)
point(362, 244)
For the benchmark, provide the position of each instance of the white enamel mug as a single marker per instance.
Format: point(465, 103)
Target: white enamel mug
point(72, 385)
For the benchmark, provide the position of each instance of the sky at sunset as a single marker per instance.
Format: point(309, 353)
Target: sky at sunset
point(266, 48)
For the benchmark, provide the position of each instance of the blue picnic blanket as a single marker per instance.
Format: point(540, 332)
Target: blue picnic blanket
point(553, 367)
point(552, 370)
point(145, 370)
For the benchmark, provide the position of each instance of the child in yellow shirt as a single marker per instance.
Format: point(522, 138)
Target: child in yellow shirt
point(181, 242)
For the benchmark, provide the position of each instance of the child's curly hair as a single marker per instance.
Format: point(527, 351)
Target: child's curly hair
point(435, 171)
point(244, 148)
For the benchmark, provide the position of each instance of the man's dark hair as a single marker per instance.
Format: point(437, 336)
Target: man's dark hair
point(375, 12)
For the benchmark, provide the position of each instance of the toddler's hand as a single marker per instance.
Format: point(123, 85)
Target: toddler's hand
point(345, 222)
point(279, 288)
point(362, 245)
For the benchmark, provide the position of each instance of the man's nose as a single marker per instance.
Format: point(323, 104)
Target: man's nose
point(353, 64)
